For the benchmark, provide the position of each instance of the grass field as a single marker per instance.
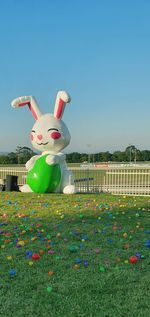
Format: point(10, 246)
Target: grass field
point(84, 243)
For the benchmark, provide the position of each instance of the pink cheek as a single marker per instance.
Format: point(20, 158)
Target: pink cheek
point(55, 135)
point(31, 137)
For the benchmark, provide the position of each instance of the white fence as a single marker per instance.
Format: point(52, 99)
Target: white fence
point(122, 180)
point(10, 170)
point(134, 181)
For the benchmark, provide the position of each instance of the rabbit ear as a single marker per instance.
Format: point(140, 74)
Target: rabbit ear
point(61, 99)
point(30, 102)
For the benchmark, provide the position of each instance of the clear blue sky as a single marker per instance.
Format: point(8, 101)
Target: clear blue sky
point(97, 50)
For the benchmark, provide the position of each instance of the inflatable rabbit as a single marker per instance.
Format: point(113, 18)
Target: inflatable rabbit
point(48, 172)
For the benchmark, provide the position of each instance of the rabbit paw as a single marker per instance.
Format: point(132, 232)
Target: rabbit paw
point(25, 189)
point(70, 189)
point(52, 159)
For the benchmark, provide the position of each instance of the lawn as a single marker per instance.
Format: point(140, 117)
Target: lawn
point(83, 244)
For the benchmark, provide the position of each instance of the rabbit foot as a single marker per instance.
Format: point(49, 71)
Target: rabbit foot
point(26, 189)
point(70, 189)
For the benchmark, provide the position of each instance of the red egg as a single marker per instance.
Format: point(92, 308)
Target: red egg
point(133, 259)
point(35, 256)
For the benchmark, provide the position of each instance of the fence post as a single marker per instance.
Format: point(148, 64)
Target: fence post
point(88, 175)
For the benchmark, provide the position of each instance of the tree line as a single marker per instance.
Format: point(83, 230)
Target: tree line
point(130, 154)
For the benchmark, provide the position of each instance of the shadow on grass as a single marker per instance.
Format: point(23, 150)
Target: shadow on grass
point(87, 241)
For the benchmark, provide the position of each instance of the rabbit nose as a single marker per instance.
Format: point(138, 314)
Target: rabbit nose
point(40, 136)
point(55, 135)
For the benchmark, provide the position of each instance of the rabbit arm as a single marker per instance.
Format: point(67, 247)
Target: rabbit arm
point(54, 159)
point(31, 162)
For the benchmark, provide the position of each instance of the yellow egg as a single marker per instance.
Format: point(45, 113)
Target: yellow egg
point(21, 243)
point(76, 266)
point(34, 238)
point(9, 257)
point(30, 263)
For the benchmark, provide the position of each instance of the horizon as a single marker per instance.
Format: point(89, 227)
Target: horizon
point(88, 153)
point(97, 51)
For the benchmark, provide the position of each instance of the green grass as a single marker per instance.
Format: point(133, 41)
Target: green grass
point(109, 287)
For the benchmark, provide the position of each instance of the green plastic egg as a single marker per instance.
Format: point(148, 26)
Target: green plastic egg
point(44, 178)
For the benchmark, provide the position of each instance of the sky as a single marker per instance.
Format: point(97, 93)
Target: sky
point(97, 50)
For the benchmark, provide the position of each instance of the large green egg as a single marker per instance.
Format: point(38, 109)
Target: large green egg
point(44, 178)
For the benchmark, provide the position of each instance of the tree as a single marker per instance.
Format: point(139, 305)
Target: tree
point(12, 158)
point(131, 152)
point(119, 156)
point(23, 154)
point(4, 159)
point(145, 155)
point(83, 157)
point(104, 156)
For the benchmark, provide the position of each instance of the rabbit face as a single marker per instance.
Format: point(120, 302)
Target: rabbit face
point(49, 134)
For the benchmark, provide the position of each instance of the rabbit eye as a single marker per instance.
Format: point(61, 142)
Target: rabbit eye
point(31, 135)
point(52, 129)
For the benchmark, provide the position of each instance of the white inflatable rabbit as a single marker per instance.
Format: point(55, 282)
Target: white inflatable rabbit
point(48, 172)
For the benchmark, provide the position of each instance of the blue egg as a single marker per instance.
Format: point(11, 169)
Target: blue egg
point(12, 272)
point(138, 255)
point(86, 263)
point(147, 243)
point(77, 261)
point(29, 254)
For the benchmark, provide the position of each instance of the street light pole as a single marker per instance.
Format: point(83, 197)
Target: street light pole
point(135, 156)
point(88, 169)
point(88, 154)
point(130, 155)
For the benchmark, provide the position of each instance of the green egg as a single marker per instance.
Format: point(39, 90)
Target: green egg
point(44, 178)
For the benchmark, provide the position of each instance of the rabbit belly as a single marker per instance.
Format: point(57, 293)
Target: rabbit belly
point(44, 178)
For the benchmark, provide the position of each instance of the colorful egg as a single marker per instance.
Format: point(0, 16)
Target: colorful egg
point(44, 178)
